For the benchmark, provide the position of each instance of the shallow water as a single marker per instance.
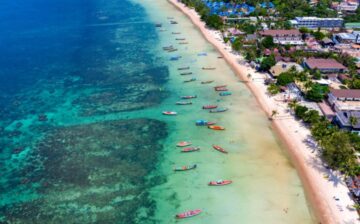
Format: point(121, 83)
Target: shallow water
point(82, 135)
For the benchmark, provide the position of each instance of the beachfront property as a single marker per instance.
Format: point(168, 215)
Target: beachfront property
point(325, 65)
point(347, 38)
point(284, 37)
point(282, 66)
point(316, 22)
point(346, 104)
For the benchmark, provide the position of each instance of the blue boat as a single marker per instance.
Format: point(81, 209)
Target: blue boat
point(202, 54)
point(226, 93)
point(218, 110)
point(175, 58)
point(204, 123)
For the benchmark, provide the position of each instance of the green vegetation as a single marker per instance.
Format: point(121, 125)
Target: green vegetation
point(337, 146)
point(267, 63)
point(317, 92)
point(268, 42)
point(273, 89)
point(285, 78)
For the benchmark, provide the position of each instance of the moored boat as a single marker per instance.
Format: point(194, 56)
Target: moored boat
point(183, 103)
point(190, 80)
point(218, 110)
point(219, 182)
point(204, 123)
point(216, 127)
point(188, 97)
point(180, 39)
point(221, 89)
point(158, 25)
point(168, 47)
point(169, 113)
point(183, 144)
point(207, 82)
point(188, 214)
point(218, 148)
point(208, 68)
point(190, 149)
point(202, 54)
point(184, 42)
point(175, 33)
point(184, 68)
point(184, 168)
point(186, 73)
point(175, 58)
point(173, 22)
point(209, 107)
point(172, 50)
point(226, 93)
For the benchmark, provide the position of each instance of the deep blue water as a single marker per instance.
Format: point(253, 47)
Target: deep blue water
point(77, 58)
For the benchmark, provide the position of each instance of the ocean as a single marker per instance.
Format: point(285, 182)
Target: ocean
point(82, 88)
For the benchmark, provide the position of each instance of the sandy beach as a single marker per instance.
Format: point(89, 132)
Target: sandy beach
point(329, 197)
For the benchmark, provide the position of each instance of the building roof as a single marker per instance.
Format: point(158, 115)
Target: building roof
point(324, 63)
point(275, 33)
point(281, 67)
point(346, 93)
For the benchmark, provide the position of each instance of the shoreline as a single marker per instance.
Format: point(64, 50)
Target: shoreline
point(319, 192)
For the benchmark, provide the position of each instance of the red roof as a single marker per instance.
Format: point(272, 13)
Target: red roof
point(346, 93)
point(324, 63)
point(275, 33)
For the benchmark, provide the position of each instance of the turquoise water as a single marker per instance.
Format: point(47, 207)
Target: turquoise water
point(82, 135)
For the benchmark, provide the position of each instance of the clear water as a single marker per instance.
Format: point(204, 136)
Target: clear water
point(83, 84)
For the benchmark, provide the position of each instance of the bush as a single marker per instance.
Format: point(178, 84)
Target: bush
point(285, 78)
point(273, 89)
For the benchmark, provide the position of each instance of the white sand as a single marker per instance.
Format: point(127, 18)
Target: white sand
point(320, 191)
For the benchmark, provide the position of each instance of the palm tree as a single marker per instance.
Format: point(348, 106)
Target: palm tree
point(353, 121)
point(273, 114)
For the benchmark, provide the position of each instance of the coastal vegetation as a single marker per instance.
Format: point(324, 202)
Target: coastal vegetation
point(337, 146)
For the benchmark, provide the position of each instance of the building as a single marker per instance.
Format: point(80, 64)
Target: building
point(325, 65)
point(315, 22)
point(284, 37)
point(348, 6)
point(352, 25)
point(346, 104)
point(282, 66)
point(347, 38)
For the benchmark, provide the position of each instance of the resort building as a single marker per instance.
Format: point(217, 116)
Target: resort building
point(325, 65)
point(282, 67)
point(347, 38)
point(315, 22)
point(346, 104)
point(348, 6)
point(284, 37)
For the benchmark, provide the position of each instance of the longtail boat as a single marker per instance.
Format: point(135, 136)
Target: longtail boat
point(218, 148)
point(209, 107)
point(219, 182)
point(184, 168)
point(190, 80)
point(189, 97)
point(175, 58)
point(207, 82)
point(172, 50)
point(183, 144)
point(175, 33)
point(173, 22)
point(204, 123)
point(188, 214)
point(180, 39)
point(227, 93)
point(183, 103)
point(183, 68)
point(184, 42)
point(190, 149)
point(221, 89)
point(158, 25)
point(216, 127)
point(168, 47)
point(220, 57)
point(202, 54)
point(218, 110)
point(169, 113)
point(221, 86)
point(186, 73)
point(208, 68)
